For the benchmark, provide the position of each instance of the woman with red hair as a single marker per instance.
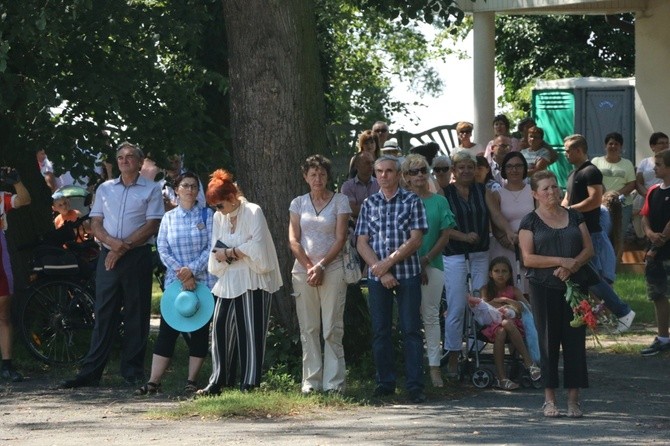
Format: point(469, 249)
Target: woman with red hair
point(245, 263)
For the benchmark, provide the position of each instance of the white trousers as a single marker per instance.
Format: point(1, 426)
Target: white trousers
point(455, 282)
point(430, 313)
point(318, 307)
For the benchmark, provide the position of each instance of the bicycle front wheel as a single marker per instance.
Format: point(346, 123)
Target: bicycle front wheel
point(57, 321)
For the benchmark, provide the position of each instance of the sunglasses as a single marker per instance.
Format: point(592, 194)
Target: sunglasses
point(513, 166)
point(467, 132)
point(415, 172)
point(441, 169)
point(370, 140)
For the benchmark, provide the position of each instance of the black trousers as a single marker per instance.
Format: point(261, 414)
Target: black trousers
point(127, 286)
point(239, 330)
point(552, 318)
point(197, 341)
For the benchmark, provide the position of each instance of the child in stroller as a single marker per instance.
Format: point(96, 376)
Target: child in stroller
point(499, 309)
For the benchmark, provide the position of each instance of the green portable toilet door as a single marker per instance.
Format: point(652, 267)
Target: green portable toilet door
point(554, 111)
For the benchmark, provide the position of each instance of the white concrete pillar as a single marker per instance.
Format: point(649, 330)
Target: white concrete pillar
point(652, 66)
point(484, 75)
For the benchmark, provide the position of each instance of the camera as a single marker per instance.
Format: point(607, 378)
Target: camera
point(9, 175)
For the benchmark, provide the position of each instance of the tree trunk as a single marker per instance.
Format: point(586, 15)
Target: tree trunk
point(277, 112)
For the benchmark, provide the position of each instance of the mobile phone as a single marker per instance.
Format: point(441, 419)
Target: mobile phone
point(220, 245)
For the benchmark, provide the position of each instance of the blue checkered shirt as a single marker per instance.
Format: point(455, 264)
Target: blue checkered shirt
point(184, 239)
point(388, 224)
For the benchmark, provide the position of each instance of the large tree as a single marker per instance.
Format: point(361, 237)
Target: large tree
point(277, 100)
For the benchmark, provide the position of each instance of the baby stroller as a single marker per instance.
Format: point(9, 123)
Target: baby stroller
point(477, 361)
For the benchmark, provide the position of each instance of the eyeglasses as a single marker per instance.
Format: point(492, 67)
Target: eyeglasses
point(219, 206)
point(513, 166)
point(380, 130)
point(444, 169)
point(189, 186)
point(415, 172)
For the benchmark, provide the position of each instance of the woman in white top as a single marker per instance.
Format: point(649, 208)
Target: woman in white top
point(244, 260)
point(514, 200)
point(317, 233)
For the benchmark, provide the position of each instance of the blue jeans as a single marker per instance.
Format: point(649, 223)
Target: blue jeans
point(601, 263)
point(380, 299)
point(604, 291)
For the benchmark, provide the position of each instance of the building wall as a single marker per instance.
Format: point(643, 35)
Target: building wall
point(652, 73)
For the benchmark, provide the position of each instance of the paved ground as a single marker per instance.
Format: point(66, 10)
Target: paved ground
point(628, 403)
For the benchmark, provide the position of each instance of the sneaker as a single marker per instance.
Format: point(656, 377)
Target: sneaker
point(10, 374)
point(625, 322)
point(655, 348)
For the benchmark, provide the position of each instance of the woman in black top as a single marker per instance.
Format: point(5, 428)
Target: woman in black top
point(474, 209)
point(555, 243)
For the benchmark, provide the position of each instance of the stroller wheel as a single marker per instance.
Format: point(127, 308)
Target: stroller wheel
point(482, 378)
point(539, 384)
point(526, 381)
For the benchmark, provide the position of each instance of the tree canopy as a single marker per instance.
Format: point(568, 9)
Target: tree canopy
point(551, 47)
point(70, 69)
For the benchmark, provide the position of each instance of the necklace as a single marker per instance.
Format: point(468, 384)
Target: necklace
point(516, 195)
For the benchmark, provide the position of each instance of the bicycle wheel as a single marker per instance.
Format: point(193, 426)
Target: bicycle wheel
point(57, 321)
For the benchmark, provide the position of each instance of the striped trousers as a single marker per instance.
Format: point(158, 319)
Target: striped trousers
point(239, 330)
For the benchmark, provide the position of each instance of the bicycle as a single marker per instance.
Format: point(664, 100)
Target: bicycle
point(56, 317)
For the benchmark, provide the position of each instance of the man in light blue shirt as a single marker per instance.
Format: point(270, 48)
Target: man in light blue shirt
point(125, 216)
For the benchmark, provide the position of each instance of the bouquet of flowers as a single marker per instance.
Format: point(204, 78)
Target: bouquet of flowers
point(581, 306)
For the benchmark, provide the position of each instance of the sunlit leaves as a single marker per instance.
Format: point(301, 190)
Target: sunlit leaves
point(531, 47)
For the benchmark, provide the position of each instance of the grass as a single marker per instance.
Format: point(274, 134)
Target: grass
point(632, 289)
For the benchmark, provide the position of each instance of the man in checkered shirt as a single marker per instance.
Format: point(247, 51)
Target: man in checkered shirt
point(390, 228)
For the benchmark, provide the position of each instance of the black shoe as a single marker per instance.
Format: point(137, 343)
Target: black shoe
point(79, 381)
point(10, 374)
point(417, 397)
point(207, 391)
point(383, 391)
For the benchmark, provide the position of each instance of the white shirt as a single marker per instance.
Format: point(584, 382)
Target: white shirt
point(259, 269)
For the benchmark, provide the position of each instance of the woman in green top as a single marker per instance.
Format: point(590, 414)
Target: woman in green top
point(416, 173)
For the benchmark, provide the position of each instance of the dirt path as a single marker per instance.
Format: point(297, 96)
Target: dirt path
point(628, 403)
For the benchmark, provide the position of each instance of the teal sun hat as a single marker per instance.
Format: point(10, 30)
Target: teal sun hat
point(187, 311)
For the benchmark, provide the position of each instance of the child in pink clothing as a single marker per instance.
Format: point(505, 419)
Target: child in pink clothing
point(501, 293)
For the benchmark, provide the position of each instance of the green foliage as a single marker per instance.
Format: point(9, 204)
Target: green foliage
point(278, 379)
point(283, 349)
point(429, 11)
point(71, 69)
point(362, 45)
point(546, 47)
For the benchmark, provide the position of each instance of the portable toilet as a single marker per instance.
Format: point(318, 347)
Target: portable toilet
point(591, 106)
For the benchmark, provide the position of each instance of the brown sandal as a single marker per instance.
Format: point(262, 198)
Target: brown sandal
point(148, 389)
